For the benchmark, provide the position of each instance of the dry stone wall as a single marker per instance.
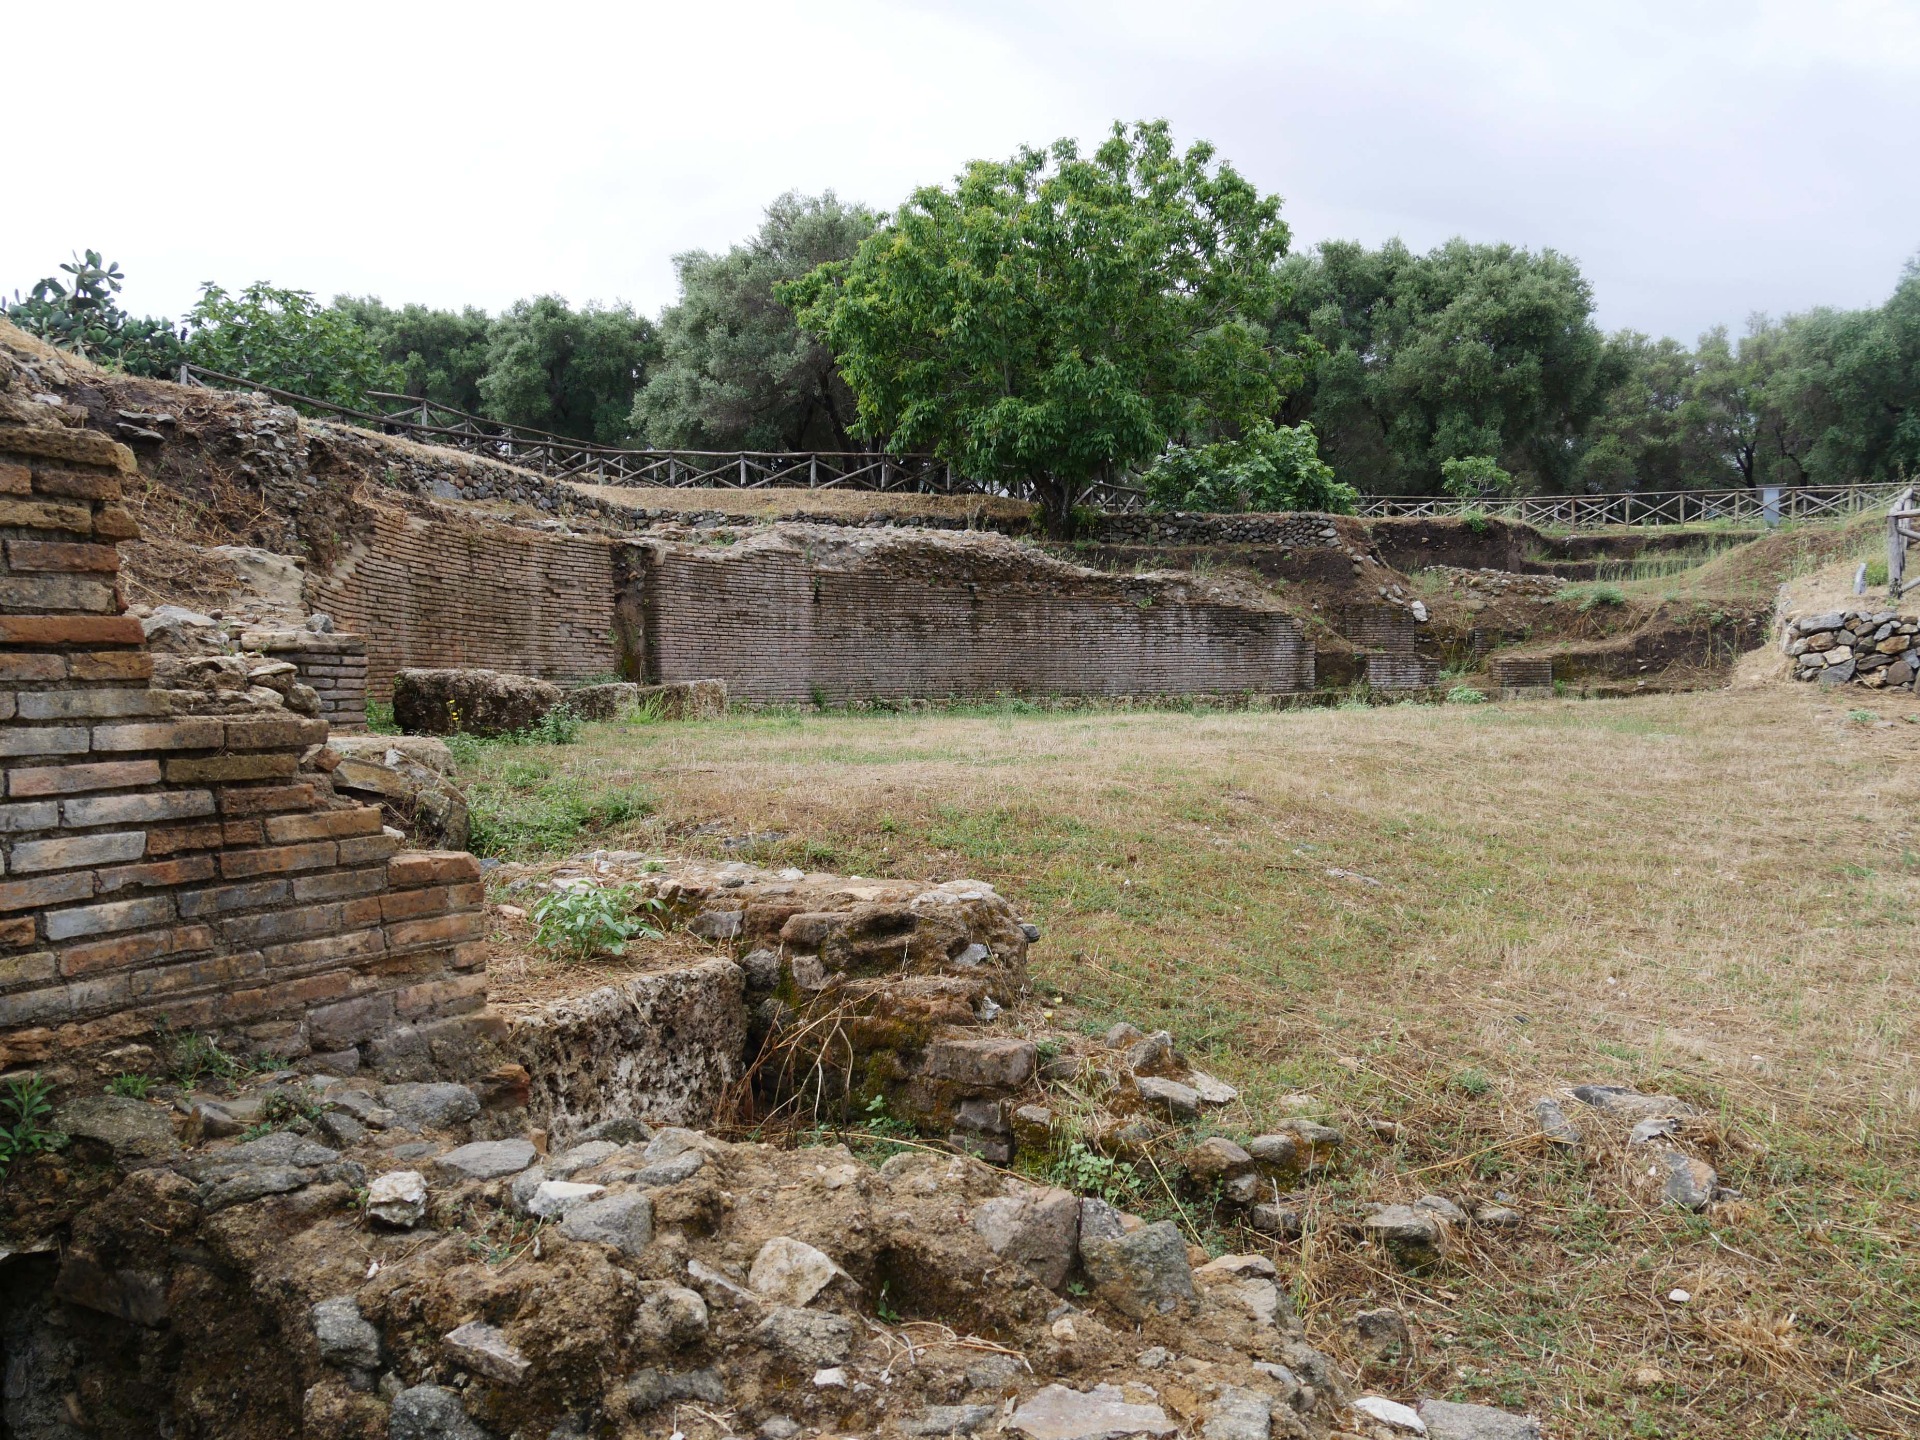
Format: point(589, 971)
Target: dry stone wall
point(432, 593)
point(172, 857)
point(334, 664)
point(809, 612)
point(1876, 648)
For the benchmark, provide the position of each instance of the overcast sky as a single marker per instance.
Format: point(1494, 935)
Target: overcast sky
point(1701, 160)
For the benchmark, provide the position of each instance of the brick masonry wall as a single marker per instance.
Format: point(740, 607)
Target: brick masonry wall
point(806, 612)
point(164, 866)
point(335, 665)
point(473, 595)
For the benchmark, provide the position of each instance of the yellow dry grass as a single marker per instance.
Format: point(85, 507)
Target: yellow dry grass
point(1429, 916)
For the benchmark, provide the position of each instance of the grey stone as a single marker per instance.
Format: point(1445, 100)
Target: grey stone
point(487, 1351)
point(683, 1166)
point(215, 1121)
point(1553, 1123)
point(1413, 1237)
point(1838, 674)
point(996, 1063)
point(1099, 1220)
point(1274, 1218)
point(1380, 1334)
point(344, 1336)
point(949, 1420)
point(361, 1106)
point(974, 955)
point(1624, 1101)
point(1826, 620)
point(478, 702)
point(1102, 1413)
point(717, 924)
point(1654, 1127)
point(650, 1389)
point(671, 1318)
point(488, 1159)
point(1154, 1357)
point(1215, 1160)
point(429, 1412)
point(1180, 1102)
point(1142, 1274)
point(554, 1198)
point(1443, 1207)
point(341, 1128)
point(1497, 1217)
point(1210, 1090)
point(1448, 1421)
point(1238, 1414)
point(778, 1427)
point(806, 1339)
point(398, 1198)
point(568, 1163)
point(1037, 1230)
point(791, 1272)
point(672, 1141)
point(994, 1374)
point(621, 1130)
point(135, 1133)
point(1261, 1299)
point(623, 1221)
point(1281, 1152)
point(1123, 1035)
point(1689, 1183)
point(432, 1105)
point(1150, 1053)
point(762, 969)
point(520, 1193)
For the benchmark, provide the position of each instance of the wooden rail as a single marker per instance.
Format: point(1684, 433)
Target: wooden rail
point(1767, 505)
point(564, 458)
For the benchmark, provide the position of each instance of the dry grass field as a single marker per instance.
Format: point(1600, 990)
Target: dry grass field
point(1430, 915)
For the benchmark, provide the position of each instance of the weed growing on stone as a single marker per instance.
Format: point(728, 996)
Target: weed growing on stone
point(579, 922)
point(26, 1120)
point(192, 1056)
point(131, 1087)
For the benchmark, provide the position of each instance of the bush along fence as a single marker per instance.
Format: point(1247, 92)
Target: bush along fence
point(1876, 648)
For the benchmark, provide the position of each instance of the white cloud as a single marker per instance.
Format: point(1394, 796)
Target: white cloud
point(1700, 160)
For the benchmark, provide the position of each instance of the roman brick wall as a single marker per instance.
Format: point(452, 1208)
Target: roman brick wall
point(473, 594)
point(167, 863)
point(335, 665)
point(810, 611)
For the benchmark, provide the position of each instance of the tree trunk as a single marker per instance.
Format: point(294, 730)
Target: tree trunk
point(1056, 499)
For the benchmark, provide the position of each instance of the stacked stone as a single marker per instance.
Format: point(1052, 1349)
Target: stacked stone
point(164, 867)
point(1300, 530)
point(335, 665)
point(1877, 648)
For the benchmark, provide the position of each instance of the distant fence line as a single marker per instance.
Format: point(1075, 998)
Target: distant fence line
point(563, 458)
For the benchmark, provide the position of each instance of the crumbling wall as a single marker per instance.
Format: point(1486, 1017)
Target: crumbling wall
point(177, 857)
point(803, 612)
point(473, 594)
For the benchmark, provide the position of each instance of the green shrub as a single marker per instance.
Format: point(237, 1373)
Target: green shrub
point(1271, 467)
point(133, 1087)
point(1466, 695)
point(1472, 477)
point(579, 922)
point(509, 819)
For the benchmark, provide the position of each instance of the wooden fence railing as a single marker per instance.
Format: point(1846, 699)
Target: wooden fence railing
point(564, 458)
point(1765, 505)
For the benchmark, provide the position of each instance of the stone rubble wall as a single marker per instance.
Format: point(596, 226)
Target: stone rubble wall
point(173, 858)
point(806, 612)
point(1877, 648)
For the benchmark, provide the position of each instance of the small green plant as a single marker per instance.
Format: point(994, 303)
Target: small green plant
point(1862, 717)
point(559, 726)
point(281, 1111)
point(582, 921)
point(1603, 595)
point(817, 695)
point(380, 719)
point(1085, 1171)
point(1473, 1082)
point(26, 1116)
point(132, 1087)
point(1476, 520)
point(1466, 695)
point(193, 1056)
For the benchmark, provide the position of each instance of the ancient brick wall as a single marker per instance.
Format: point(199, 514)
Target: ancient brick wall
point(811, 612)
point(473, 594)
point(162, 865)
point(335, 665)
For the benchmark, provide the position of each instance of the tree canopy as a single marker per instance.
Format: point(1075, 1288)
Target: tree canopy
point(1419, 359)
point(284, 339)
point(736, 371)
point(1056, 318)
point(441, 355)
point(573, 372)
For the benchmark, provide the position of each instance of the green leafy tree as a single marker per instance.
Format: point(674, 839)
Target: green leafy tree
point(1271, 468)
point(573, 372)
point(1644, 437)
point(441, 355)
point(736, 370)
point(1474, 477)
point(1055, 319)
point(1419, 359)
point(284, 339)
point(83, 315)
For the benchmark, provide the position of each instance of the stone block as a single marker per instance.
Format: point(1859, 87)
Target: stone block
point(70, 779)
point(1000, 1063)
point(137, 809)
point(73, 851)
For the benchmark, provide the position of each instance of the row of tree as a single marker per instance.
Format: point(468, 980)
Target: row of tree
point(1062, 319)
